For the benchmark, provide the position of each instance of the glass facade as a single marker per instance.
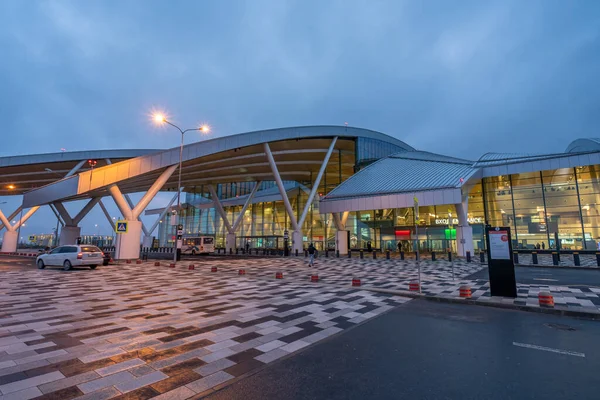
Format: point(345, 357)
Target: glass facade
point(547, 206)
point(544, 209)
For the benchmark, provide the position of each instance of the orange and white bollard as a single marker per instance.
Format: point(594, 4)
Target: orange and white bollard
point(356, 282)
point(242, 272)
point(465, 291)
point(278, 275)
point(413, 286)
point(546, 299)
point(314, 278)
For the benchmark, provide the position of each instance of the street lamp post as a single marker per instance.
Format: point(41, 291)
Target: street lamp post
point(160, 118)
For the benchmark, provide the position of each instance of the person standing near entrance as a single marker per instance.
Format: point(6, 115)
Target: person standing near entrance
point(248, 247)
point(311, 254)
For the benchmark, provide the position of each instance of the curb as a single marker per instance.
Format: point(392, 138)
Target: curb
point(557, 267)
point(554, 311)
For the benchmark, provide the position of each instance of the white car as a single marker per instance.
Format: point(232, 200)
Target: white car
point(71, 256)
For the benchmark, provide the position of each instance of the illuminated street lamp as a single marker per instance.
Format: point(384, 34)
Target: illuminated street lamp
point(160, 118)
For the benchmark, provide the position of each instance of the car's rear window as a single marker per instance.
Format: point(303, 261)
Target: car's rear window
point(90, 249)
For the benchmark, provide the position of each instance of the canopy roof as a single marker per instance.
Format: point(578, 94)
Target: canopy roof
point(298, 152)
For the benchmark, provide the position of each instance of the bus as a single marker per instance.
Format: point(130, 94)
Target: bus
point(198, 245)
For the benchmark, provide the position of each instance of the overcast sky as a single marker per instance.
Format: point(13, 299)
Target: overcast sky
point(457, 77)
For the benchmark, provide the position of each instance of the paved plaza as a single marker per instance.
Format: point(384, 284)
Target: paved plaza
point(140, 331)
point(144, 331)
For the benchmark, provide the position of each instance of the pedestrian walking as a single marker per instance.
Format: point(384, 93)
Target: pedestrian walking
point(311, 253)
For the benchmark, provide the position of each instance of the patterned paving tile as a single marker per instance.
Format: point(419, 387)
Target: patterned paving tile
point(140, 331)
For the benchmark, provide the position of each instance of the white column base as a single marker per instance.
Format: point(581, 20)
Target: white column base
point(297, 243)
point(147, 242)
point(9, 242)
point(69, 235)
point(341, 242)
point(128, 244)
point(230, 242)
point(466, 233)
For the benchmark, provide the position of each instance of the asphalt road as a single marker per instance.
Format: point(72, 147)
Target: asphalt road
point(428, 350)
point(550, 276)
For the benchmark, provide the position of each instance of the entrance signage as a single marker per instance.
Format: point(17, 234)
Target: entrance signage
point(454, 221)
point(501, 267)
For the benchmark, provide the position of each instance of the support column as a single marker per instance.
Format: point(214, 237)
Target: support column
point(341, 242)
point(297, 242)
point(69, 235)
point(464, 231)
point(128, 244)
point(230, 242)
point(10, 241)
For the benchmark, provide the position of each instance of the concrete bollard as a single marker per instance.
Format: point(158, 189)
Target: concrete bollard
point(546, 299)
point(465, 291)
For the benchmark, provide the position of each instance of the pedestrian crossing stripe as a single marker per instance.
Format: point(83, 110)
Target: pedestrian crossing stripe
point(121, 227)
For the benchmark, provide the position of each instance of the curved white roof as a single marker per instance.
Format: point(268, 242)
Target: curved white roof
point(583, 145)
point(19, 174)
point(298, 151)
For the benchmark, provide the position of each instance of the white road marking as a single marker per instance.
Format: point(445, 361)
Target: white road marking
point(545, 279)
point(550, 349)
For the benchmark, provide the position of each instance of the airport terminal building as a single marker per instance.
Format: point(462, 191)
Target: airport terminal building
point(337, 187)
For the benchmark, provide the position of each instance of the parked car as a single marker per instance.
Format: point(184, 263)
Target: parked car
point(71, 256)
